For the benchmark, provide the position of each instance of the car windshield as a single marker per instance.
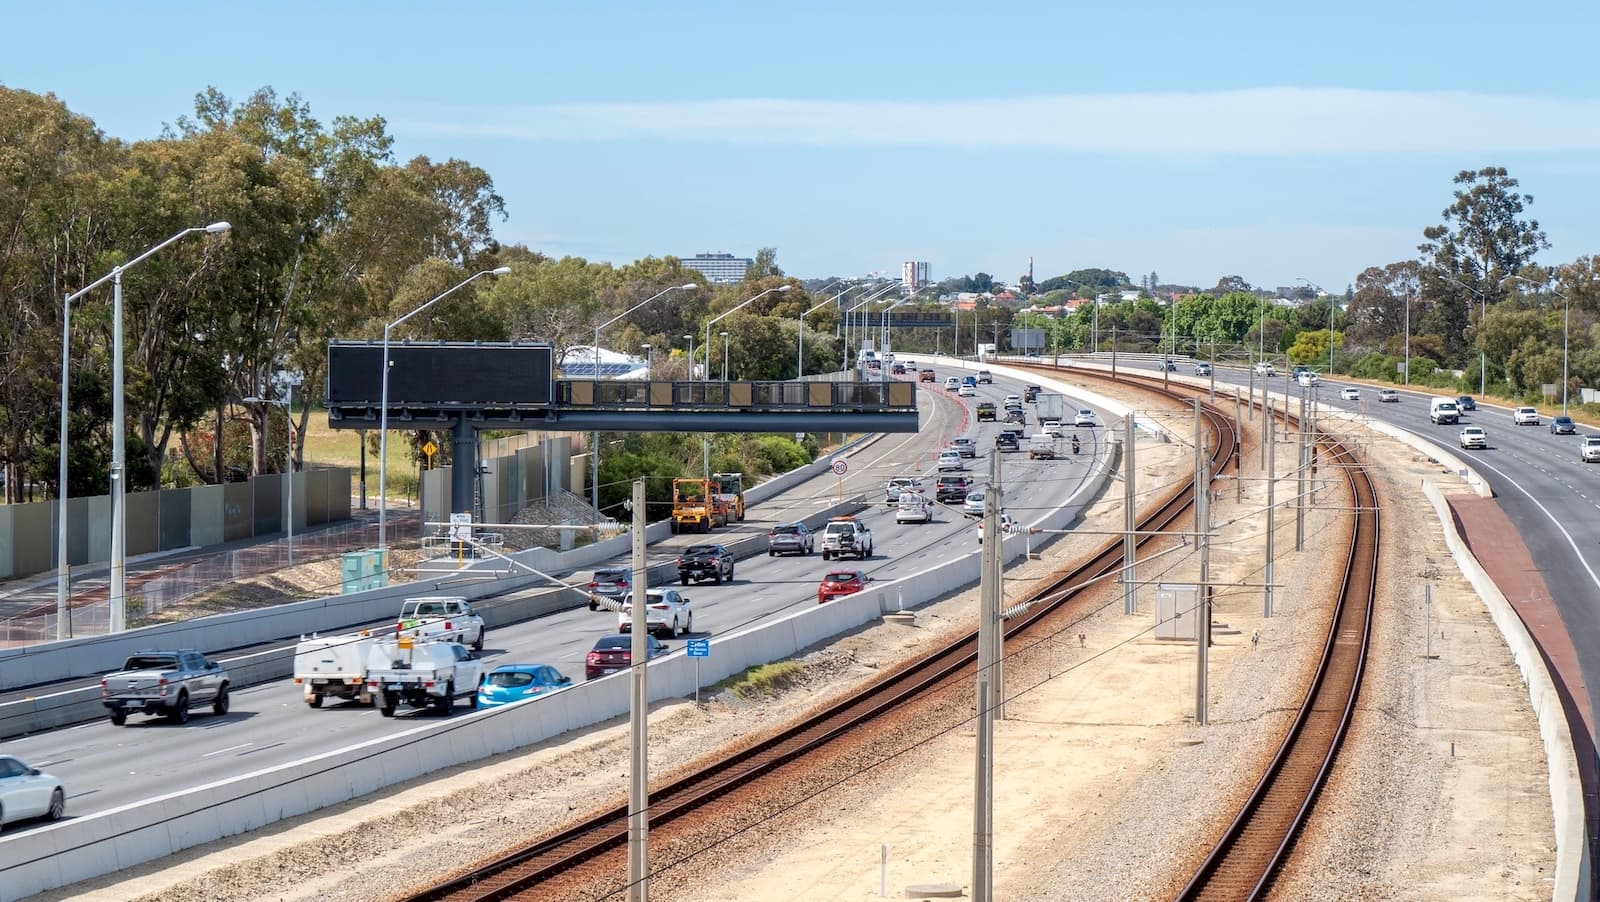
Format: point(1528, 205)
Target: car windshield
point(510, 679)
point(841, 577)
point(1563, 420)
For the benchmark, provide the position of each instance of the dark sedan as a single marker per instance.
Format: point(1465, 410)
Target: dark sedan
point(613, 653)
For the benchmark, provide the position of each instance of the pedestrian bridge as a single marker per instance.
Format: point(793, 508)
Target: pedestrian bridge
point(638, 406)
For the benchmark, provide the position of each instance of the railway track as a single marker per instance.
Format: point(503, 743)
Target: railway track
point(524, 870)
point(1245, 861)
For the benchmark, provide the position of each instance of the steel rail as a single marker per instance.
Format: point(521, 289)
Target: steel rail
point(522, 870)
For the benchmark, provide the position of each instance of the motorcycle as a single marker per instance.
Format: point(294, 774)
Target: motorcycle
point(1075, 444)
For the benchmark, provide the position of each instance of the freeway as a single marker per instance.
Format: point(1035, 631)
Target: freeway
point(1548, 494)
point(104, 766)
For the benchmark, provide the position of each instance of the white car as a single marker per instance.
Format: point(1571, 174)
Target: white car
point(951, 383)
point(1053, 427)
point(949, 460)
point(1589, 451)
point(1474, 437)
point(1009, 400)
point(1264, 369)
point(1084, 418)
point(973, 506)
point(1525, 416)
point(27, 792)
point(1008, 526)
point(967, 391)
point(913, 508)
point(1308, 378)
point(1350, 394)
point(665, 612)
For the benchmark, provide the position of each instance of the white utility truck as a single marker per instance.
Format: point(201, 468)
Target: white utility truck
point(334, 666)
point(441, 617)
point(423, 673)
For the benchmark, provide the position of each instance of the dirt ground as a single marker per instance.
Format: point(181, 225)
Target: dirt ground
point(1103, 780)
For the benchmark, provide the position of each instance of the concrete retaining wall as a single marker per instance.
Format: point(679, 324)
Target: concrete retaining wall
point(81, 848)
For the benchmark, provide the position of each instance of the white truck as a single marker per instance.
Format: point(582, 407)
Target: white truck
point(423, 673)
point(334, 666)
point(1044, 446)
point(846, 535)
point(441, 617)
point(1051, 407)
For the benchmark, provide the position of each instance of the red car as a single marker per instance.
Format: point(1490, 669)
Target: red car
point(841, 582)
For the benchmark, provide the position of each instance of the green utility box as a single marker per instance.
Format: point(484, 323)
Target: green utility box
point(363, 570)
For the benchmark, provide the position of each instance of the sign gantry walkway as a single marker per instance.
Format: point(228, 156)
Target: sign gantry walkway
point(465, 386)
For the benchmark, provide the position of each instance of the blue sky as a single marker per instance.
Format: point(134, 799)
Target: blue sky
point(1195, 140)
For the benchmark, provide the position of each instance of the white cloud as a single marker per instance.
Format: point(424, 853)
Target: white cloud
point(1252, 122)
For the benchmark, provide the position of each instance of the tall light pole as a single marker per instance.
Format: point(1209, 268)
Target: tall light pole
point(289, 382)
point(800, 353)
point(383, 408)
point(690, 340)
point(119, 512)
point(594, 353)
point(1320, 291)
point(861, 319)
point(649, 360)
point(724, 355)
point(713, 321)
point(1566, 327)
point(883, 322)
point(1406, 377)
point(1483, 311)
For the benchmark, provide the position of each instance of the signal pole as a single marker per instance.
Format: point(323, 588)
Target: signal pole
point(988, 624)
point(638, 718)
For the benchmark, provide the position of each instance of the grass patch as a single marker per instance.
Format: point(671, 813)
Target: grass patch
point(763, 680)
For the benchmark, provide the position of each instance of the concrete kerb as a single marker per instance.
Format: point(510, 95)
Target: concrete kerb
point(1566, 794)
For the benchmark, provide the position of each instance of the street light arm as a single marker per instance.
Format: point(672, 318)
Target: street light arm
point(635, 308)
point(214, 228)
point(500, 271)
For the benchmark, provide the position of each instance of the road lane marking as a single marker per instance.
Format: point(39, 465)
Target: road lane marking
point(231, 748)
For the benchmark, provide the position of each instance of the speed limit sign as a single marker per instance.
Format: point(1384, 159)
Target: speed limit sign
point(839, 467)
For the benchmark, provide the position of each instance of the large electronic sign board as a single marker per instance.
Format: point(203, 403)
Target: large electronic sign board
point(441, 374)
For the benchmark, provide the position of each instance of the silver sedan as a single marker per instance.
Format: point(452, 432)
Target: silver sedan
point(27, 792)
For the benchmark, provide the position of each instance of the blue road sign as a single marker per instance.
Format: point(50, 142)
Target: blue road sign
point(699, 648)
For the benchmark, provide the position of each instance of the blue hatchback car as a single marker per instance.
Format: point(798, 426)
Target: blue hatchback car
point(514, 682)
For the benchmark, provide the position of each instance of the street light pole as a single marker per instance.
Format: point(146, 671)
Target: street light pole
point(800, 354)
point(288, 462)
point(1566, 327)
point(119, 512)
point(383, 409)
point(1325, 294)
point(724, 355)
point(594, 356)
point(706, 376)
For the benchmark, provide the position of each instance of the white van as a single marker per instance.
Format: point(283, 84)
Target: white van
point(1043, 445)
point(1443, 410)
point(913, 508)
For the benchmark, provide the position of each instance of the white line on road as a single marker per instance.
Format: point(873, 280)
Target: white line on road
point(231, 748)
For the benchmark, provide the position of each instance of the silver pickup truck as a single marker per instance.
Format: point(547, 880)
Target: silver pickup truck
point(165, 683)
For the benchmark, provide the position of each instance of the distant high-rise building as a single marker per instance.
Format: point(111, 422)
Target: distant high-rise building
point(719, 267)
point(914, 274)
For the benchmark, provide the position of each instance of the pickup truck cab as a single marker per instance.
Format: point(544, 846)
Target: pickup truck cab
point(985, 377)
point(702, 562)
point(164, 683)
point(423, 673)
point(442, 617)
point(986, 411)
point(846, 535)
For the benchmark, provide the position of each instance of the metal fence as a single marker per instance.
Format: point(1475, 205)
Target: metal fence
point(156, 588)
